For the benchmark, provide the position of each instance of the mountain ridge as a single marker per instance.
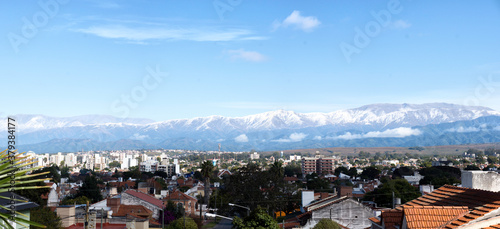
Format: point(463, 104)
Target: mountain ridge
point(374, 123)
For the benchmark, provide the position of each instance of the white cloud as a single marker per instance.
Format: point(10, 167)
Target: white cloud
point(160, 33)
point(400, 24)
point(306, 24)
point(295, 137)
point(246, 55)
point(400, 132)
point(137, 136)
point(497, 128)
point(317, 138)
point(462, 129)
point(241, 138)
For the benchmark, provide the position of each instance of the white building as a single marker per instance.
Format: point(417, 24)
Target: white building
point(254, 156)
point(70, 159)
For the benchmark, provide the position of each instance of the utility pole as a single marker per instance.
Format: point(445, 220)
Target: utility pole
point(86, 224)
point(215, 205)
point(392, 200)
point(162, 218)
point(102, 215)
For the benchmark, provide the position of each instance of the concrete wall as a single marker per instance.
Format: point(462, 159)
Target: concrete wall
point(132, 200)
point(348, 213)
point(307, 197)
point(484, 180)
point(67, 214)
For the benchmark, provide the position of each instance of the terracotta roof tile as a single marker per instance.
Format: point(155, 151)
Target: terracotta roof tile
point(432, 216)
point(478, 202)
point(146, 198)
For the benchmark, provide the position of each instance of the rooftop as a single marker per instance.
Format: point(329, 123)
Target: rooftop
point(146, 197)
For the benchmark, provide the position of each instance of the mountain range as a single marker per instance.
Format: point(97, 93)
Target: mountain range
point(373, 125)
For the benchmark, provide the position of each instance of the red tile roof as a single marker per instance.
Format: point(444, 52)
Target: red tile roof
point(138, 210)
point(146, 197)
point(477, 202)
point(432, 216)
point(179, 196)
point(98, 225)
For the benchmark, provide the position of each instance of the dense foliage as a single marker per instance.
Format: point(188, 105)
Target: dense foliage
point(383, 194)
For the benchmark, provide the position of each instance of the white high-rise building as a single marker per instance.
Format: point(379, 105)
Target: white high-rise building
point(70, 159)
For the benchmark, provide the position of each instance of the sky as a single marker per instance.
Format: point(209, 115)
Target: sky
point(182, 59)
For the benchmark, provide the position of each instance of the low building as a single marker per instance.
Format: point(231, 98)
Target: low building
point(187, 201)
point(476, 205)
point(344, 210)
point(132, 197)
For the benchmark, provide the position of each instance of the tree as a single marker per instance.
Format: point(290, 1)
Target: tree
point(401, 188)
point(184, 222)
point(317, 184)
point(341, 169)
point(257, 219)
point(69, 200)
point(206, 170)
point(90, 189)
point(197, 175)
point(440, 175)
point(370, 173)
point(45, 216)
point(327, 224)
point(11, 173)
point(353, 172)
point(293, 169)
point(115, 164)
point(64, 172)
point(472, 167)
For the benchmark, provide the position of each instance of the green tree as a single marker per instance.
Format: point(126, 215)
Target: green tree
point(206, 171)
point(314, 182)
point(341, 169)
point(258, 219)
point(90, 189)
point(64, 172)
point(370, 173)
point(69, 200)
point(401, 188)
point(197, 175)
point(327, 224)
point(43, 215)
point(115, 164)
point(184, 222)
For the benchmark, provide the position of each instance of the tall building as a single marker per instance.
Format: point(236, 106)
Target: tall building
point(318, 164)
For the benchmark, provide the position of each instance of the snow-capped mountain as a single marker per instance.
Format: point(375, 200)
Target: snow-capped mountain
point(263, 131)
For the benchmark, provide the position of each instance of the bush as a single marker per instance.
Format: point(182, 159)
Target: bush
point(179, 223)
point(327, 224)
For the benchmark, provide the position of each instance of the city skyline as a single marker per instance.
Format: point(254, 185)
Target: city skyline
point(169, 60)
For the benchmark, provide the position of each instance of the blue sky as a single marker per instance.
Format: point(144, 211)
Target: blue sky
point(182, 59)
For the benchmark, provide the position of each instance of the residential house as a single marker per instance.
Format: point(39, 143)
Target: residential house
point(187, 201)
point(476, 205)
point(133, 197)
point(344, 210)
